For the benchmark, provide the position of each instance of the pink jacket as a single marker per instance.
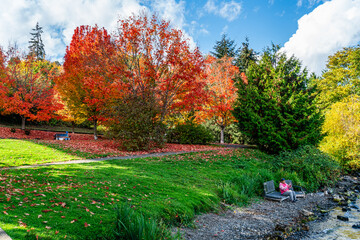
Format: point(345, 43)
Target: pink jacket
point(284, 187)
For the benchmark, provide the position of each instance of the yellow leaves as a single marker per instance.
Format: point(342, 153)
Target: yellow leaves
point(342, 129)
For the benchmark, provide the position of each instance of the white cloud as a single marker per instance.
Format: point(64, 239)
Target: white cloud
point(60, 18)
point(327, 29)
point(173, 11)
point(228, 10)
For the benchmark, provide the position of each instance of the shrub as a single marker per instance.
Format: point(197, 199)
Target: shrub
point(190, 133)
point(137, 126)
point(13, 130)
point(27, 131)
point(312, 167)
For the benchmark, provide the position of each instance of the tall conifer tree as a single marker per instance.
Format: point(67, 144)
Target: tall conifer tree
point(245, 56)
point(36, 45)
point(224, 47)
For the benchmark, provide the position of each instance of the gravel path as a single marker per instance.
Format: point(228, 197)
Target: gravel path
point(256, 221)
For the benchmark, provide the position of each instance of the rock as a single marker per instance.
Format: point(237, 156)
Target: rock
point(356, 226)
point(306, 213)
point(275, 236)
point(280, 227)
point(305, 227)
point(336, 198)
point(346, 209)
point(342, 218)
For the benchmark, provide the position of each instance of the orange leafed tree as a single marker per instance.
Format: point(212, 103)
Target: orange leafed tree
point(28, 88)
point(146, 58)
point(221, 92)
point(158, 59)
point(87, 84)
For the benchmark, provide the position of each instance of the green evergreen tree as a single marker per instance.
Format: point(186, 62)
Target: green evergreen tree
point(245, 56)
point(224, 47)
point(275, 106)
point(36, 45)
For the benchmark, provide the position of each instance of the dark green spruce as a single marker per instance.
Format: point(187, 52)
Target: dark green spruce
point(245, 56)
point(36, 44)
point(224, 47)
point(276, 106)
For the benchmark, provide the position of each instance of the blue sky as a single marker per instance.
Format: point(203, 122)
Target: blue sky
point(309, 29)
point(262, 21)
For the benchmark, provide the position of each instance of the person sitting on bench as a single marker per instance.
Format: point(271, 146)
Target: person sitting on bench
point(285, 190)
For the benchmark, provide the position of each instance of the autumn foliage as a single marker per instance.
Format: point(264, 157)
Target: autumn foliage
point(221, 92)
point(146, 59)
point(27, 88)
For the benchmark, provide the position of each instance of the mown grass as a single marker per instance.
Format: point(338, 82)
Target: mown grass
point(80, 201)
point(21, 152)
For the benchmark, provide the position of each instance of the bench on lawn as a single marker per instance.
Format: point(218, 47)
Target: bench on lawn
point(62, 136)
point(300, 192)
point(271, 194)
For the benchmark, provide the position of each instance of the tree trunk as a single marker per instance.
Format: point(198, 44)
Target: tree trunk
point(222, 134)
point(95, 130)
point(73, 127)
point(23, 120)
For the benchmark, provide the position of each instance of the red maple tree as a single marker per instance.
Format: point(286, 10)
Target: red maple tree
point(87, 83)
point(28, 89)
point(146, 57)
point(221, 92)
point(157, 58)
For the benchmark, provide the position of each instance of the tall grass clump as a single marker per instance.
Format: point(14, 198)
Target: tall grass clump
point(133, 226)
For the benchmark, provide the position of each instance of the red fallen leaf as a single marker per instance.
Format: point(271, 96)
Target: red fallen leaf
point(47, 227)
point(46, 210)
point(39, 216)
point(5, 212)
point(74, 220)
point(34, 204)
point(22, 224)
point(56, 232)
point(86, 225)
point(87, 209)
point(8, 199)
point(62, 216)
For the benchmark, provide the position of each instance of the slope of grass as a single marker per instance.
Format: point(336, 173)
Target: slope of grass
point(79, 201)
point(21, 152)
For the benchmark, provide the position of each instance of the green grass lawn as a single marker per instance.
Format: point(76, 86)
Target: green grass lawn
point(60, 200)
point(21, 152)
point(77, 201)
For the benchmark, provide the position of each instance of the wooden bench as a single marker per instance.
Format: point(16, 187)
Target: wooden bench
point(300, 192)
point(62, 136)
point(271, 194)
